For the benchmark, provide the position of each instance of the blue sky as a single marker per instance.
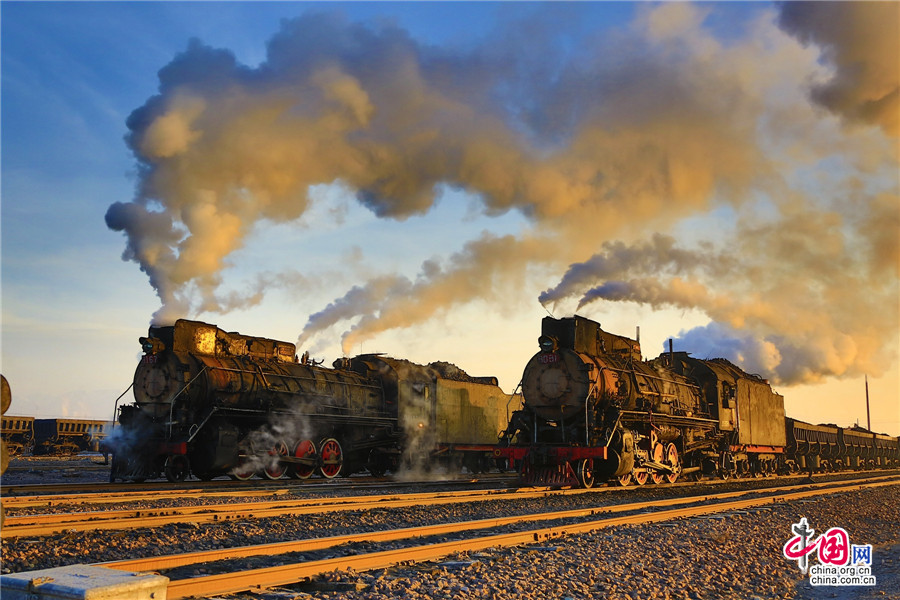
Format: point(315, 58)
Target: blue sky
point(699, 141)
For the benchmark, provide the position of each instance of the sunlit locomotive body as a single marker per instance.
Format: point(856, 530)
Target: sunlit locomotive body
point(210, 403)
point(593, 409)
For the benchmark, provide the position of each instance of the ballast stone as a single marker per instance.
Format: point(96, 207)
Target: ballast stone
point(83, 582)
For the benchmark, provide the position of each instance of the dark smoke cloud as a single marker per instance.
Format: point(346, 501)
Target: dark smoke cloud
point(484, 269)
point(659, 255)
point(796, 300)
point(862, 41)
point(599, 140)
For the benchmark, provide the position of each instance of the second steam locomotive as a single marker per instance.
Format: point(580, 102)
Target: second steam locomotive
point(594, 410)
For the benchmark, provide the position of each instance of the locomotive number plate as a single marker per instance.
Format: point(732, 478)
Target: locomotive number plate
point(149, 359)
point(546, 359)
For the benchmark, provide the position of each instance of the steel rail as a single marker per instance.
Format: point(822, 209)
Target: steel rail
point(20, 491)
point(50, 500)
point(304, 545)
point(38, 525)
point(267, 488)
point(258, 579)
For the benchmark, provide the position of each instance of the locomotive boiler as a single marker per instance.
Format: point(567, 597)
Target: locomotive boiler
point(209, 402)
point(593, 409)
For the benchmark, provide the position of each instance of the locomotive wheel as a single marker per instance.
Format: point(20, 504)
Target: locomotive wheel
point(275, 469)
point(624, 479)
point(177, 468)
point(658, 454)
point(586, 472)
point(243, 471)
point(304, 449)
point(641, 477)
point(672, 461)
point(332, 458)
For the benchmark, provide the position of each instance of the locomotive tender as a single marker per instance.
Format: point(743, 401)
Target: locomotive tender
point(211, 403)
point(594, 410)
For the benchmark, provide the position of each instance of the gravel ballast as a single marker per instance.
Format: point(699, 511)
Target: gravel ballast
point(735, 555)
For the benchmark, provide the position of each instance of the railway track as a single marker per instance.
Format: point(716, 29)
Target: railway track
point(471, 536)
point(38, 525)
point(262, 486)
point(341, 533)
point(109, 520)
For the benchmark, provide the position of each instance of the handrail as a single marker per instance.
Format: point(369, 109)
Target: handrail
point(511, 396)
point(171, 402)
point(195, 428)
point(116, 405)
point(587, 433)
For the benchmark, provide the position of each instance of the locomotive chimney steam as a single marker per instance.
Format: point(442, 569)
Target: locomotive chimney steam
point(592, 141)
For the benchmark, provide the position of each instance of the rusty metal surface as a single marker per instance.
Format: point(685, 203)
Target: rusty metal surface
point(5, 395)
point(469, 413)
point(760, 413)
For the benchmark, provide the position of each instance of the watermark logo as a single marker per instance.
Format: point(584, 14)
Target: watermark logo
point(840, 562)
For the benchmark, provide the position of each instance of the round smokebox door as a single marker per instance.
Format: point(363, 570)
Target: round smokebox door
point(554, 383)
point(154, 382)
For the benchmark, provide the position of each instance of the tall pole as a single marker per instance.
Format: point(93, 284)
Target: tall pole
point(868, 420)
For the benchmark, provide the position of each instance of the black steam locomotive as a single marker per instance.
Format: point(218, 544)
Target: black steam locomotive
point(210, 403)
point(594, 410)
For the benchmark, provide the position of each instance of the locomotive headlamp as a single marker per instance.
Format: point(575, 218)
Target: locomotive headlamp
point(151, 345)
point(547, 343)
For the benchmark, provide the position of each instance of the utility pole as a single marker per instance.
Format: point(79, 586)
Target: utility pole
point(868, 419)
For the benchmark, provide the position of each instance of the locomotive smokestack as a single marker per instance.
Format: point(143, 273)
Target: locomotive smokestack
point(637, 334)
point(671, 353)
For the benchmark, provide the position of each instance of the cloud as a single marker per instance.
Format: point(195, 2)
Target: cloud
point(861, 41)
point(797, 299)
point(479, 271)
point(659, 163)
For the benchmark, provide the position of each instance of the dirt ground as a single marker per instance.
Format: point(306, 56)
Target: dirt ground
point(87, 467)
